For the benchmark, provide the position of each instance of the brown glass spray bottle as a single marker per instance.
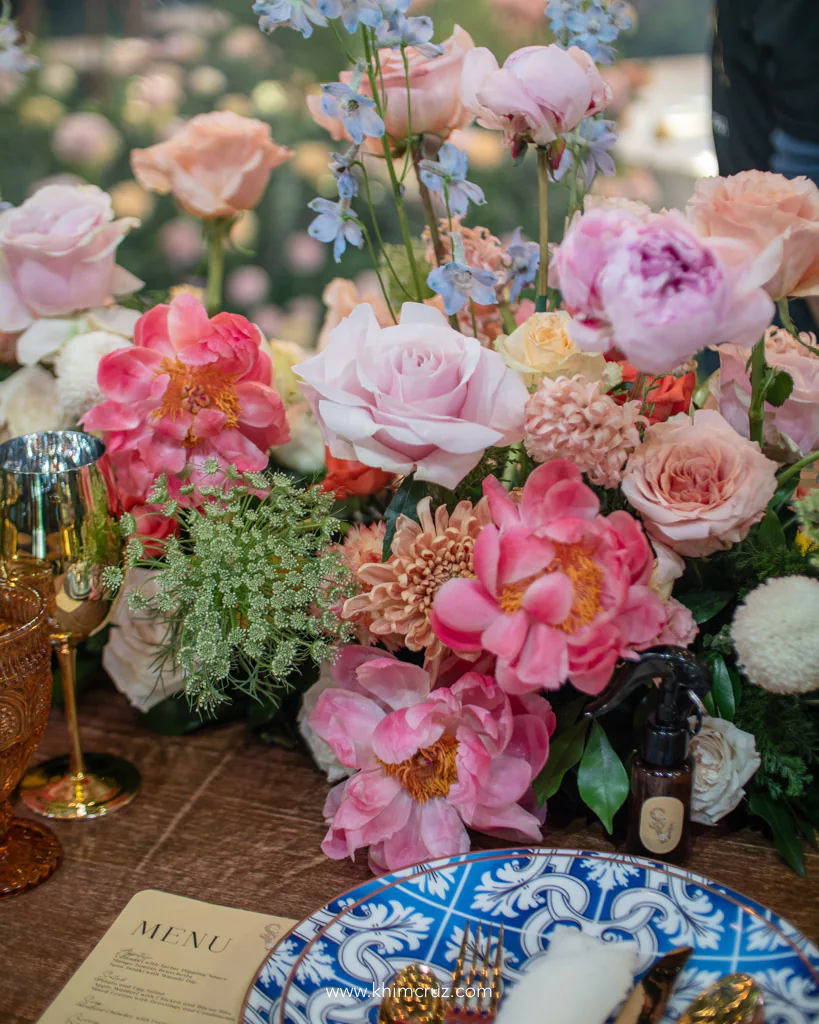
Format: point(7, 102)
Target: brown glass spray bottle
point(661, 772)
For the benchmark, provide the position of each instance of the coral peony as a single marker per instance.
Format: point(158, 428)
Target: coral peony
point(425, 554)
point(58, 255)
point(542, 346)
point(561, 591)
point(190, 388)
point(664, 396)
point(798, 416)
point(347, 478)
point(418, 396)
point(761, 209)
point(217, 165)
point(539, 93)
point(571, 418)
point(646, 285)
point(428, 762)
point(698, 485)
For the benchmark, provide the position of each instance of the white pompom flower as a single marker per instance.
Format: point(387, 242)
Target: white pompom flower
point(776, 635)
point(76, 367)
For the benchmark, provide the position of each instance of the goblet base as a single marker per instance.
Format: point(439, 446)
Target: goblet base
point(107, 784)
point(30, 854)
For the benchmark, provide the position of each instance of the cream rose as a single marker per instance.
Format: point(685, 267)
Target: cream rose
point(760, 208)
point(698, 485)
point(216, 166)
point(725, 759)
point(542, 347)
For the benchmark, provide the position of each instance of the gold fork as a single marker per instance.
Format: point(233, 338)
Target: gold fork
point(471, 984)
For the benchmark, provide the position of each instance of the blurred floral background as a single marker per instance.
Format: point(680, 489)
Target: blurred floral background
point(115, 75)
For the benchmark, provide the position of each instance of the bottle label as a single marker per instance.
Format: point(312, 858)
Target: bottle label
point(662, 820)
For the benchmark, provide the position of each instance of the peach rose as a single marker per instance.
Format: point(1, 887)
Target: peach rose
point(760, 208)
point(217, 165)
point(341, 297)
point(435, 85)
point(698, 484)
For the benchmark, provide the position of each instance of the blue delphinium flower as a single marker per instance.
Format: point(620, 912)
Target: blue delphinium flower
point(588, 148)
point(589, 24)
point(397, 31)
point(298, 14)
point(448, 173)
point(341, 166)
point(556, 12)
point(524, 260)
point(391, 7)
point(351, 12)
point(357, 112)
point(456, 283)
point(335, 223)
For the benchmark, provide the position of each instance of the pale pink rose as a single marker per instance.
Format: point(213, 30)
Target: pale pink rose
point(58, 255)
point(216, 166)
point(435, 88)
point(416, 397)
point(798, 417)
point(341, 297)
point(760, 209)
point(698, 484)
point(649, 287)
point(539, 93)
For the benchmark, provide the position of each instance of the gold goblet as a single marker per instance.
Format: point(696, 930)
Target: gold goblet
point(60, 505)
point(29, 853)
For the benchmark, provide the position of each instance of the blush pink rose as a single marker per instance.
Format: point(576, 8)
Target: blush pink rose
point(428, 763)
point(415, 397)
point(58, 255)
point(649, 287)
point(759, 209)
point(698, 485)
point(539, 93)
point(217, 165)
point(190, 388)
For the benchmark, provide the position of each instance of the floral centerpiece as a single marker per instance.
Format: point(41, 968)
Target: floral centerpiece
point(531, 475)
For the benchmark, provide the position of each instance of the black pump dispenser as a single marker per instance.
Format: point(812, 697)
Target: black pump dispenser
point(662, 772)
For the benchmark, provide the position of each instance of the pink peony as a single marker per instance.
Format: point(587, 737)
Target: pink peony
point(189, 389)
point(561, 591)
point(798, 417)
point(759, 209)
point(58, 255)
point(428, 762)
point(646, 285)
point(539, 93)
point(415, 397)
point(698, 485)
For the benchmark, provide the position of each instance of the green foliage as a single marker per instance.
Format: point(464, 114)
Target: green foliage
point(565, 752)
point(245, 591)
point(404, 503)
point(706, 604)
point(602, 778)
point(782, 822)
point(787, 738)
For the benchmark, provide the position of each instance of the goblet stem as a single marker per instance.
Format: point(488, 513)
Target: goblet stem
point(67, 657)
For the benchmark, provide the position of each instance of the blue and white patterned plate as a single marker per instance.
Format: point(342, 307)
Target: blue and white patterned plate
point(325, 970)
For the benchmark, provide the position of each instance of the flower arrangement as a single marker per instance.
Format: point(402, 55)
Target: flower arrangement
point(528, 477)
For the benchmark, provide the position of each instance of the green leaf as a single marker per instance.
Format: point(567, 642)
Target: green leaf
point(736, 683)
point(770, 531)
point(565, 751)
point(403, 503)
point(784, 492)
point(722, 687)
point(172, 717)
point(601, 779)
point(710, 705)
point(779, 389)
point(805, 828)
point(704, 605)
point(778, 816)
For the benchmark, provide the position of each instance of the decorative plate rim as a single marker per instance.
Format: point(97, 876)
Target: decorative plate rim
point(428, 867)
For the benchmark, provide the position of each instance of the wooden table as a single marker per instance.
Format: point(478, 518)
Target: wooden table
point(224, 818)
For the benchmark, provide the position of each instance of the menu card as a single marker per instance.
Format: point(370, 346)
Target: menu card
point(169, 960)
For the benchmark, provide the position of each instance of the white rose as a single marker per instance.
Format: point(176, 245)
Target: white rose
point(321, 752)
point(129, 656)
point(725, 759)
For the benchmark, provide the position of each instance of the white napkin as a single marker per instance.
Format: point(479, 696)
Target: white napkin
point(580, 980)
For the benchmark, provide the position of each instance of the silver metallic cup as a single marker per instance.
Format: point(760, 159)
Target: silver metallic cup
point(59, 503)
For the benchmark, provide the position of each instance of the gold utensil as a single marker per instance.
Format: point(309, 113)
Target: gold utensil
point(647, 1000)
point(734, 999)
point(413, 997)
point(476, 989)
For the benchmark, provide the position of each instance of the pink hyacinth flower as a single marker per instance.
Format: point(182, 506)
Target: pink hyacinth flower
point(561, 592)
point(190, 388)
point(428, 763)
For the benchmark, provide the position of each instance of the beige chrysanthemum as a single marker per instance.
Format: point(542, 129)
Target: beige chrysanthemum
point(572, 418)
point(362, 546)
point(775, 635)
point(424, 556)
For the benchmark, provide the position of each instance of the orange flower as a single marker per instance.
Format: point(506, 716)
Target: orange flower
point(666, 396)
point(346, 477)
